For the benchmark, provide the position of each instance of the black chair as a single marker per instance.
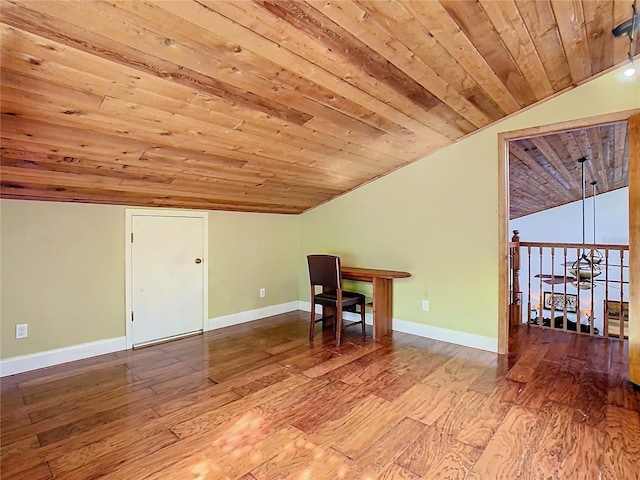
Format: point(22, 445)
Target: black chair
point(324, 271)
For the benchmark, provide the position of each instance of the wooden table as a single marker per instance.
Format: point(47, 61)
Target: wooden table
point(382, 294)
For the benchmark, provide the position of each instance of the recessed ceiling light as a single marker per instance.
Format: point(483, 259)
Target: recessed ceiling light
point(630, 71)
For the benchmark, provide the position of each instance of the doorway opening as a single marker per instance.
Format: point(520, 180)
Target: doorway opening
point(504, 202)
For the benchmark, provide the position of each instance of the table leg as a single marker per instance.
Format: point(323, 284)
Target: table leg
point(382, 307)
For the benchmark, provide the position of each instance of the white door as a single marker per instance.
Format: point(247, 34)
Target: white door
point(167, 277)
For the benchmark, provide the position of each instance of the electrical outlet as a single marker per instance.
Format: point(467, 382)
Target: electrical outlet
point(262, 293)
point(425, 305)
point(21, 330)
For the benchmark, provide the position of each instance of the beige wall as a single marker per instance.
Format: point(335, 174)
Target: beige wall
point(62, 273)
point(438, 218)
point(62, 265)
point(62, 270)
point(249, 251)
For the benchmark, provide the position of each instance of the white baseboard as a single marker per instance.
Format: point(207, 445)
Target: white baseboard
point(25, 363)
point(428, 331)
point(465, 339)
point(249, 315)
point(33, 361)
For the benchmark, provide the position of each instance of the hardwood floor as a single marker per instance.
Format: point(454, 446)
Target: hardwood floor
point(258, 401)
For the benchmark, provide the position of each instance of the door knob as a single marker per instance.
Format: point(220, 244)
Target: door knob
point(198, 260)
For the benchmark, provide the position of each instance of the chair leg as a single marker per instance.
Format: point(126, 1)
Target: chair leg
point(338, 326)
point(362, 314)
point(312, 322)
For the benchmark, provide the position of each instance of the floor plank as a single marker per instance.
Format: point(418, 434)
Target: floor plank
point(621, 444)
point(506, 452)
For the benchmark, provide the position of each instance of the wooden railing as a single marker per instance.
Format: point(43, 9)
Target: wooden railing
point(570, 286)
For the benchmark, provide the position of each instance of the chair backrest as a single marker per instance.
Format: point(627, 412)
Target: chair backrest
point(324, 270)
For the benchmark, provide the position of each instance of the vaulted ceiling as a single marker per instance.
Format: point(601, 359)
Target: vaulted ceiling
point(276, 106)
point(546, 172)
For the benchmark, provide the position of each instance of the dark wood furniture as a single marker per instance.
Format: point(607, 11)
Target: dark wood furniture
point(325, 272)
point(616, 318)
point(382, 281)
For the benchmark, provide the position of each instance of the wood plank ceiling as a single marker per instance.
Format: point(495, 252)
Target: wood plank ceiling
point(544, 171)
point(272, 106)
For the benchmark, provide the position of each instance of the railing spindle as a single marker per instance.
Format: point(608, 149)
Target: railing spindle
point(590, 286)
point(606, 293)
point(515, 311)
point(621, 296)
point(529, 286)
point(565, 318)
point(552, 322)
point(540, 309)
point(593, 284)
point(578, 311)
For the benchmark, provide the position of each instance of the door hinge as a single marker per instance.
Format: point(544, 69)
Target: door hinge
point(132, 316)
point(131, 237)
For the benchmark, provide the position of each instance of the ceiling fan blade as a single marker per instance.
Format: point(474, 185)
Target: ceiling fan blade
point(552, 279)
point(610, 285)
point(585, 284)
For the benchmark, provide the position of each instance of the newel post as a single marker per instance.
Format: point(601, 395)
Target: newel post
point(515, 308)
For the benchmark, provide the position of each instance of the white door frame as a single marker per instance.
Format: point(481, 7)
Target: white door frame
point(129, 214)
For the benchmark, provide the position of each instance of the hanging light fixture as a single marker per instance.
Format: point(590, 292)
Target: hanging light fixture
point(586, 267)
point(582, 273)
point(596, 255)
point(629, 28)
